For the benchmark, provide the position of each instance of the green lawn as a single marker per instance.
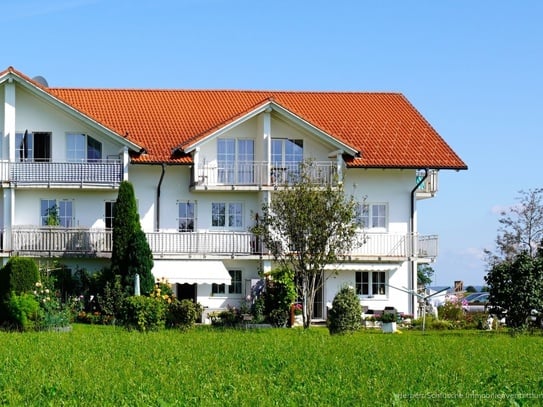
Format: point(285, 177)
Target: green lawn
point(98, 365)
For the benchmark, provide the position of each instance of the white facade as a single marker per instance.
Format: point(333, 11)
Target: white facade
point(387, 260)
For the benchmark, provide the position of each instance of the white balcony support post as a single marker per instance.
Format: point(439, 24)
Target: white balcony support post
point(339, 164)
point(266, 134)
point(9, 205)
point(196, 166)
point(126, 161)
point(9, 120)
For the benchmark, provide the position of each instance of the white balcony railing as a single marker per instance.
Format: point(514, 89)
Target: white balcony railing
point(56, 241)
point(386, 245)
point(263, 174)
point(100, 172)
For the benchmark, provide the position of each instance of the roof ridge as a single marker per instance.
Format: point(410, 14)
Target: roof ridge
point(224, 90)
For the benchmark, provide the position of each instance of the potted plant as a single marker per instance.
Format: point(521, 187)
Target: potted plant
point(388, 322)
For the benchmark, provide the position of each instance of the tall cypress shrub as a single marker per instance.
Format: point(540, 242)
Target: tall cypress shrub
point(130, 252)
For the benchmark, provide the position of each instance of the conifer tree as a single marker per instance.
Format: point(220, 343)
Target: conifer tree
point(130, 252)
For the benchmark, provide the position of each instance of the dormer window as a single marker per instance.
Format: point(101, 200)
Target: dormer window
point(82, 148)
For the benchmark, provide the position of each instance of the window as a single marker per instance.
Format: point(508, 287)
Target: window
point(218, 288)
point(235, 159)
point(286, 158)
point(371, 216)
point(186, 216)
point(234, 288)
point(82, 148)
point(56, 213)
point(109, 214)
point(227, 214)
point(33, 146)
point(370, 283)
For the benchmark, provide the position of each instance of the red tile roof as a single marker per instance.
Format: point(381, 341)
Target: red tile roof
point(384, 127)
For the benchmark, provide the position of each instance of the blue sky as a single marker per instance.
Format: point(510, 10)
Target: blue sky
point(472, 68)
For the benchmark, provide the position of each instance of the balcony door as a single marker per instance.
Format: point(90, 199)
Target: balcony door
point(235, 161)
point(33, 146)
point(287, 155)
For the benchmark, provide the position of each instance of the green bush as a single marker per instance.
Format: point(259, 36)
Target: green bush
point(19, 275)
point(431, 323)
point(389, 317)
point(346, 313)
point(143, 313)
point(24, 312)
point(111, 301)
point(278, 318)
point(182, 314)
point(280, 290)
point(230, 317)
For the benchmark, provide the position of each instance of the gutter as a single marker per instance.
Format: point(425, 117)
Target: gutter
point(158, 189)
point(412, 281)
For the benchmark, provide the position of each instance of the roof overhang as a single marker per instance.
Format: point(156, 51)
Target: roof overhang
point(285, 114)
point(12, 75)
point(192, 271)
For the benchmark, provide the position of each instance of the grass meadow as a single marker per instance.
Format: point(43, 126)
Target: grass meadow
point(108, 366)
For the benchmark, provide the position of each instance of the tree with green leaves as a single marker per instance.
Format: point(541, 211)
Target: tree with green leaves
point(521, 227)
point(131, 254)
point(515, 276)
point(307, 226)
point(424, 275)
point(516, 287)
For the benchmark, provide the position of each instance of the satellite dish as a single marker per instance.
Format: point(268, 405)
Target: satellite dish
point(41, 80)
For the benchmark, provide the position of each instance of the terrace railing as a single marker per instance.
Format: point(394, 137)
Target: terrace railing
point(260, 174)
point(387, 245)
point(58, 241)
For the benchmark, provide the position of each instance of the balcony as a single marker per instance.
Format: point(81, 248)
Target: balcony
point(100, 173)
point(60, 242)
point(428, 188)
point(259, 175)
point(79, 242)
point(386, 246)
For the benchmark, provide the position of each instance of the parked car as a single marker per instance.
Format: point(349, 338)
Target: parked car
point(477, 302)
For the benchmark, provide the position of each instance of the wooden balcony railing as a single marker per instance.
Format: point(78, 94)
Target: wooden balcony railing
point(101, 172)
point(58, 242)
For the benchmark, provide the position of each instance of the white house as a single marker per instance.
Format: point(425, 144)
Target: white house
point(201, 163)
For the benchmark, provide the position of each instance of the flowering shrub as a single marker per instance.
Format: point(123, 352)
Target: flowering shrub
point(297, 308)
point(54, 314)
point(453, 308)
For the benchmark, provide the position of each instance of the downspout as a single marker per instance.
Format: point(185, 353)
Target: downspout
point(158, 188)
point(412, 281)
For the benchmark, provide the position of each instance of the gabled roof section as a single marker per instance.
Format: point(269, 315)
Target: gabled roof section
point(386, 130)
point(268, 105)
point(40, 90)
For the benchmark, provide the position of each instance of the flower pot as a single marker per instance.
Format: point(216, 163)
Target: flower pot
point(388, 327)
